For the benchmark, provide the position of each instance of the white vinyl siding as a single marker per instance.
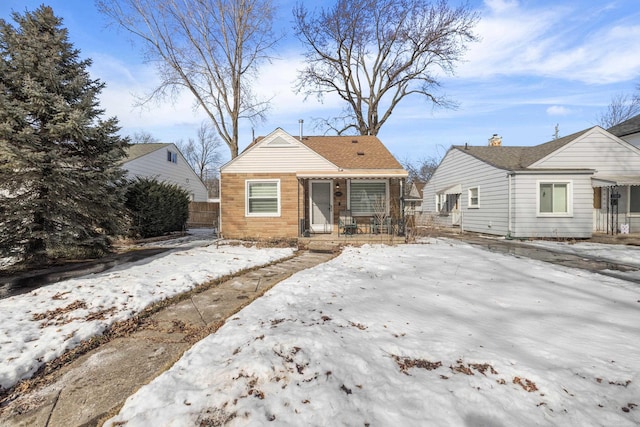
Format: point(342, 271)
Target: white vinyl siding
point(597, 150)
point(458, 167)
point(263, 198)
point(474, 197)
point(156, 165)
point(275, 156)
point(529, 222)
point(368, 197)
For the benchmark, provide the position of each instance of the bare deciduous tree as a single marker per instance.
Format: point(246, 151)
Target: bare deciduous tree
point(420, 170)
point(210, 47)
point(374, 53)
point(143, 137)
point(622, 108)
point(202, 153)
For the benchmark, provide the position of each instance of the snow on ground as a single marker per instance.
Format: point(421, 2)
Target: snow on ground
point(441, 334)
point(41, 325)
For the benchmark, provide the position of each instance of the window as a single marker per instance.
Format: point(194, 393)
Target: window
point(634, 199)
point(474, 197)
point(554, 198)
point(368, 197)
point(439, 202)
point(263, 198)
point(172, 156)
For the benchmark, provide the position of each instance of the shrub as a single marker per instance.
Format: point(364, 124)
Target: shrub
point(156, 208)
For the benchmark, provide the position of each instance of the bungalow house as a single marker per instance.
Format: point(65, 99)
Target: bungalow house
point(164, 162)
point(283, 186)
point(568, 188)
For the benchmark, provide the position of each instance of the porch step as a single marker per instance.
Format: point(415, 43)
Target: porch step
point(323, 246)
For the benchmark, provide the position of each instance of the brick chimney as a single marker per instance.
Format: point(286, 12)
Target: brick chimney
point(495, 140)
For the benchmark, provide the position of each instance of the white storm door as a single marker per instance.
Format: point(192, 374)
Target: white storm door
point(321, 206)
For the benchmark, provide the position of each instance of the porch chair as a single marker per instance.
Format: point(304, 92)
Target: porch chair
point(378, 227)
point(347, 224)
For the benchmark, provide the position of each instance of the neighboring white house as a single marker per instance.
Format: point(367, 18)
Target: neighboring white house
point(165, 163)
point(629, 130)
point(569, 187)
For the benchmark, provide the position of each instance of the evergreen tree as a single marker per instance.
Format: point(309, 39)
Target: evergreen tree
point(60, 182)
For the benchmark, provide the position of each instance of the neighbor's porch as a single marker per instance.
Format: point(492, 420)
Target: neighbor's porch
point(616, 205)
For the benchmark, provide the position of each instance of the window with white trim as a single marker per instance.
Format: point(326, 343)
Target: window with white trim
point(172, 156)
point(368, 197)
point(474, 197)
point(263, 197)
point(555, 199)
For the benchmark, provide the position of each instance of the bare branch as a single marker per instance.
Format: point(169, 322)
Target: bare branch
point(375, 53)
point(622, 107)
point(212, 48)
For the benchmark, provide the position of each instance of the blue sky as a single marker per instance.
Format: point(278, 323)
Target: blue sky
point(539, 63)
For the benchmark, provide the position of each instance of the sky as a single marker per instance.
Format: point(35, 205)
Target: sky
point(435, 333)
point(539, 64)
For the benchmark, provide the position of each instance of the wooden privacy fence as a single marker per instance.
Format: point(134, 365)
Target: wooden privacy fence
point(203, 215)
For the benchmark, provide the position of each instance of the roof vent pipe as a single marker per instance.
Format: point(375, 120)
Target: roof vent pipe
point(301, 122)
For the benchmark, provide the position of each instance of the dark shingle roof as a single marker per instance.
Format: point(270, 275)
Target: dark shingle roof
point(517, 158)
point(627, 127)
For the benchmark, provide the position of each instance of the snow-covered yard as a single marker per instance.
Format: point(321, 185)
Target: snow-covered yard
point(440, 334)
point(41, 325)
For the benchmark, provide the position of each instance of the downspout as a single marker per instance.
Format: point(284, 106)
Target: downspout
point(510, 175)
point(219, 233)
point(300, 226)
point(401, 213)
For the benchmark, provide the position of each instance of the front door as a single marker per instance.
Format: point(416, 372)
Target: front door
point(321, 206)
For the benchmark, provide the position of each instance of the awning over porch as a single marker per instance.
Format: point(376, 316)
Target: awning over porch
point(612, 181)
point(454, 189)
point(354, 173)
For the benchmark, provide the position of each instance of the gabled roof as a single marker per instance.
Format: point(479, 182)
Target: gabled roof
point(517, 158)
point(348, 152)
point(138, 150)
point(627, 127)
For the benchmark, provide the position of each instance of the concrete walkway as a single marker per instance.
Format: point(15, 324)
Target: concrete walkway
point(94, 386)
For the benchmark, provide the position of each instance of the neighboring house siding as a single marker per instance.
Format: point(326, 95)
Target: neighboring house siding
point(460, 168)
point(156, 165)
point(235, 222)
point(527, 223)
point(279, 159)
point(595, 150)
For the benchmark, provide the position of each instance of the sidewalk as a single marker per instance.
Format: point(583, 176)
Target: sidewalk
point(93, 387)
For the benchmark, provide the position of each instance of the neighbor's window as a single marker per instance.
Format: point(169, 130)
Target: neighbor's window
point(474, 197)
point(172, 156)
point(263, 198)
point(634, 199)
point(368, 197)
point(554, 198)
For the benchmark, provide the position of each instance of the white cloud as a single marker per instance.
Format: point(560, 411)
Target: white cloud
point(557, 110)
point(553, 41)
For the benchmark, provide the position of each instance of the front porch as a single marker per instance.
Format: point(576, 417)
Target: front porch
point(351, 209)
